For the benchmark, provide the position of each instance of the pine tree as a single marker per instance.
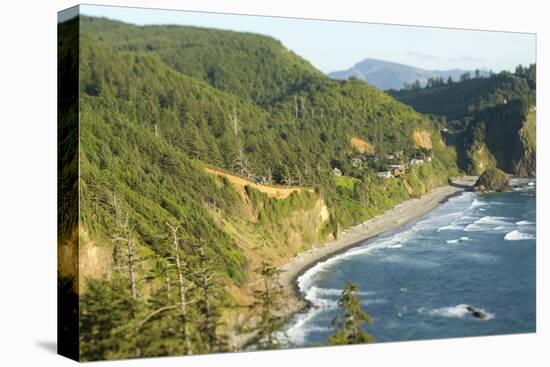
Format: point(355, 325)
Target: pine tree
point(129, 259)
point(350, 321)
point(268, 301)
point(106, 310)
point(208, 293)
point(183, 288)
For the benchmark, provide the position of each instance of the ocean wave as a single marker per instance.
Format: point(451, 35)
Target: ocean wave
point(524, 223)
point(494, 220)
point(393, 241)
point(313, 294)
point(458, 224)
point(458, 311)
point(334, 292)
point(474, 228)
point(300, 329)
point(516, 235)
point(488, 222)
point(477, 203)
point(461, 239)
point(451, 227)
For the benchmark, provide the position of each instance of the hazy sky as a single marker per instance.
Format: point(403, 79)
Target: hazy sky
point(332, 46)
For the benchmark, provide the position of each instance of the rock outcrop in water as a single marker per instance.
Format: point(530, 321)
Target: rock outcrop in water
point(477, 313)
point(492, 179)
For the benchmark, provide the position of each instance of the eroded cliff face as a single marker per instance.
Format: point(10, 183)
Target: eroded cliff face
point(526, 166)
point(274, 223)
point(503, 136)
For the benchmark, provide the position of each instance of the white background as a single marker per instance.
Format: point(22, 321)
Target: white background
point(28, 183)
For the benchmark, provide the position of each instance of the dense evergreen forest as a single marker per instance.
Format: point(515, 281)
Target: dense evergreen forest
point(177, 255)
point(491, 120)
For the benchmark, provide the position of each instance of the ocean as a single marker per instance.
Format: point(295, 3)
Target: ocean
point(476, 249)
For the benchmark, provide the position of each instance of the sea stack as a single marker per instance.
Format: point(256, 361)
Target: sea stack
point(492, 179)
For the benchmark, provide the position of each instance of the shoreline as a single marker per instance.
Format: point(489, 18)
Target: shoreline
point(400, 215)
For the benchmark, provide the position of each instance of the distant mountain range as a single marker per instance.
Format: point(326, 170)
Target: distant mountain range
point(390, 75)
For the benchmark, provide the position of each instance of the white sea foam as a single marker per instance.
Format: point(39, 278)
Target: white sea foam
point(396, 246)
point(314, 295)
point(335, 292)
point(458, 311)
point(461, 239)
point(488, 222)
point(524, 223)
point(477, 203)
point(458, 224)
point(451, 227)
point(516, 235)
point(300, 328)
point(494, 220)
point(474, 228)
point(323, 299)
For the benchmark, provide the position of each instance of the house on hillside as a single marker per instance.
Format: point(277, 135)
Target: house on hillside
point(384, 174)
point(414, 161)
point(337, 172)
point(261, 180)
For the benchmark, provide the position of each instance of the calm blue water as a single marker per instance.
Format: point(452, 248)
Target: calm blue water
point(476, 249)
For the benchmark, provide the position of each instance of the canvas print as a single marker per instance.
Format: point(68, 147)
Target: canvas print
point(232, 183)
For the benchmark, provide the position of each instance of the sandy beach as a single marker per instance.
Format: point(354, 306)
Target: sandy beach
point(391, 219)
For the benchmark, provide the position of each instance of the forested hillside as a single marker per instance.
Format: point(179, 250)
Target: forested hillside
point(489, 119)
point(174, 121)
